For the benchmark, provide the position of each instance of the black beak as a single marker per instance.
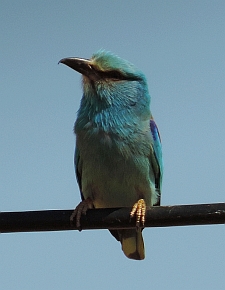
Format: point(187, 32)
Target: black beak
point(81, 65)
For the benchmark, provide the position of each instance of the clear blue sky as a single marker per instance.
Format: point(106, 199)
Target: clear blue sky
point(180, 46)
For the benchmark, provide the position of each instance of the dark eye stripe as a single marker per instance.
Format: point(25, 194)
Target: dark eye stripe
point(114, 74)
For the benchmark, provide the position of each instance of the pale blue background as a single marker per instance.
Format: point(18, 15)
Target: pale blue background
point(180, 46)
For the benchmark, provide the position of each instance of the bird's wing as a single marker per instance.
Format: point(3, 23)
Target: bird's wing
point(78, 170)
point(156, 157)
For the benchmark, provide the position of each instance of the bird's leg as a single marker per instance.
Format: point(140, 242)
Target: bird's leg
point(81, 209)
point(139, 209)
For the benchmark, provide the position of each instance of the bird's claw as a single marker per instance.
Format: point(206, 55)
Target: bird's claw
point(139, 209)
point(81, 209)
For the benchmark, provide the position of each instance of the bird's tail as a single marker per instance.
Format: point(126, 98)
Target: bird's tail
point(133, 244)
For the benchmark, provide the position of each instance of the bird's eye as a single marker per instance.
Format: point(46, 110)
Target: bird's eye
point(115, 75)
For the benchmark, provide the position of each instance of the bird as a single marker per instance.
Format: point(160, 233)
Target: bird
point(118, 153)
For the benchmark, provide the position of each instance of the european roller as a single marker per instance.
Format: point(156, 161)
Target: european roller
point(118, 157)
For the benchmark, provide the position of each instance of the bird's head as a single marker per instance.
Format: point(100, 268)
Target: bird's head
point(103, 69)
point(103, 65)
point(110, 81)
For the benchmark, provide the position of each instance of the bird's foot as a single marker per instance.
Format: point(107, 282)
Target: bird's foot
point(139, 210)
point(81, 209)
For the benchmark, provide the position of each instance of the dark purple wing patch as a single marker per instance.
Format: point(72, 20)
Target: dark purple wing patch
point(154, 130)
